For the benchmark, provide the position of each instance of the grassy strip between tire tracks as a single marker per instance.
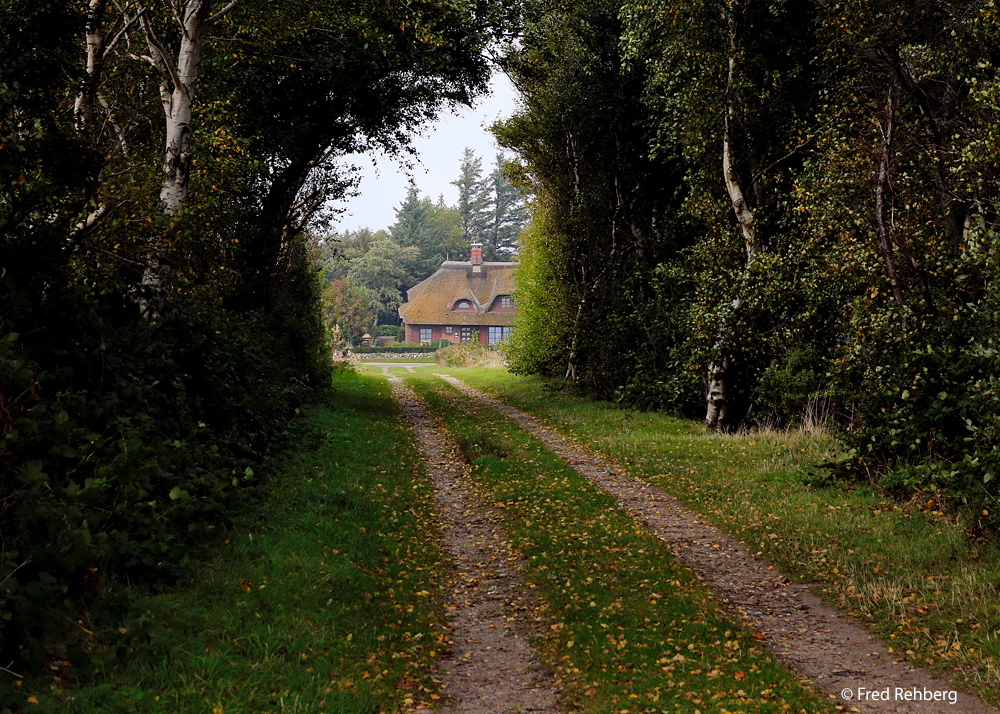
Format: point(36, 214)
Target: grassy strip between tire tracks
point(320, 603)
point(626, 627)
point(906, 569)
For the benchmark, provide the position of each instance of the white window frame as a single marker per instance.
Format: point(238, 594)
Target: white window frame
point(498, 334)
point(426, 335)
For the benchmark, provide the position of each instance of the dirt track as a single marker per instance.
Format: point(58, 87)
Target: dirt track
point(815, 640)
point(489, 668)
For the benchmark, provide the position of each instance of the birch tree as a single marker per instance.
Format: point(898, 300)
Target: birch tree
point(179, 73)
point(134, 135)
point(177, 70)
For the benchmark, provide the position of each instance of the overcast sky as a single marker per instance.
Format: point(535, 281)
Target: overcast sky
point(439, 152)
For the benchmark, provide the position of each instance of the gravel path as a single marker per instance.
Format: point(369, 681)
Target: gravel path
point(815, 640)
point(489, 668)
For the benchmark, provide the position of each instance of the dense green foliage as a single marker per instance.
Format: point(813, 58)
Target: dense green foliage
point(345, 313)
point(153, 346)
point(747, 209)
point(126, 444)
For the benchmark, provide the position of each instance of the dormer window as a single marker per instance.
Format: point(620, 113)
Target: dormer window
point(463, 305)
point(506, 301)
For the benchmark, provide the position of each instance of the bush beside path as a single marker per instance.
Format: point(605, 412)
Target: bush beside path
point(328, 599)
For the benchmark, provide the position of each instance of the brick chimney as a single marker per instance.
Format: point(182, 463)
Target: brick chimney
point(477, 257)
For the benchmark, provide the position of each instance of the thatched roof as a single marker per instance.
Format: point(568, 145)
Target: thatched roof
point(431, 301)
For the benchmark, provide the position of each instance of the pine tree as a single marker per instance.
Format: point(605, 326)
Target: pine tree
point(434, 230)
point(412, 218)
point(506, 216)
point(473, 197)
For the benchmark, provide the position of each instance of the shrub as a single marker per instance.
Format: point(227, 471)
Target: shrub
point(127, 445)
point(468, 354)
point(400, 349)
point(785, 390)
point(539, 344)
point(926, 420)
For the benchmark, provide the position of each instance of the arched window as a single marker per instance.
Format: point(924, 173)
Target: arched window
point(463, 305)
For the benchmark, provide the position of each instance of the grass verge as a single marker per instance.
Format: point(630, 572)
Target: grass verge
point(905, 569)
point(626, 627)
point(319, 603)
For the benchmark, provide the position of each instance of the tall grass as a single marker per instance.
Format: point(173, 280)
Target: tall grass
point(469, 354)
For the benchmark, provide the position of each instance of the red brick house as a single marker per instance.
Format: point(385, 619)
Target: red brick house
point(462, 302)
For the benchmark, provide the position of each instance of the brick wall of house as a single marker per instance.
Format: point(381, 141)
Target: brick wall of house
point(440, 332)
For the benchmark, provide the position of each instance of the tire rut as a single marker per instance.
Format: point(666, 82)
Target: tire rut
point(815, 640)
point(489, 667)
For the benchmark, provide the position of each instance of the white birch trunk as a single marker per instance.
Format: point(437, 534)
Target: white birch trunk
point(98, 50)
point(881, 201)
point(571, 364)
point(744, 215)
point(178, 90)
point(83, 108)
point(177, 94)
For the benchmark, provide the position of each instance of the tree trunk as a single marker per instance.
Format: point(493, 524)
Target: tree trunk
point(177, 94)
point(715, 414)
point(571, 364)
point(84, 106)
point(882, 200)
point(744, 215)
point(719, 377)
point(178, 89)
